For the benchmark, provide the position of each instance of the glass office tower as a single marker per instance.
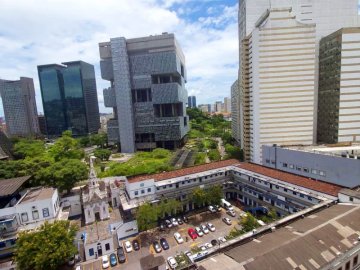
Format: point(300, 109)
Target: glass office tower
point(69, 98)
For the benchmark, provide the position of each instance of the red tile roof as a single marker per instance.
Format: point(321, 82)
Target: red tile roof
point(305, 182)
point(185, 171)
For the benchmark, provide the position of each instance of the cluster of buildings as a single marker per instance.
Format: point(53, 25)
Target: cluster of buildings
point(218, 107)
point(298, 75)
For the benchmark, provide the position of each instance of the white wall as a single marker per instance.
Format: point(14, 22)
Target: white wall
point(144, 185)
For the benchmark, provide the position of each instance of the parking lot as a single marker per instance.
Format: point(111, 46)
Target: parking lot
point(146, 239)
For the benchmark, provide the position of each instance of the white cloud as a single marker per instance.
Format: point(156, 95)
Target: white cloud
point(53, 31)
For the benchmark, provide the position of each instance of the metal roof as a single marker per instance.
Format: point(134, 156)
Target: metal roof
point(11, 185)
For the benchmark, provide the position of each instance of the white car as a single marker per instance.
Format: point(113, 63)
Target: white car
point(227, 220)
point(199, 231)
point(105, 261)
point(128, 246)
point(204, 229)
point(231, 213)
point(172, 262)
point(208, 245)
point(178, 238)
point(212, 209)
point(222, 239)
point(174, 222)
point(211, 227)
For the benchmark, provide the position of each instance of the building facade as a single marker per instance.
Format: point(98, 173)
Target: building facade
point(19, 105)
point(336, 165)
point(205, 108)
point(235, 112)
point(147, 92)
point(69, 98)
point(339, 82)
point(275, 61)
point(227, 105)
point(191, 102)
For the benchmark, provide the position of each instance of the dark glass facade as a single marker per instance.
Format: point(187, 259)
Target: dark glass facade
point(69, 98)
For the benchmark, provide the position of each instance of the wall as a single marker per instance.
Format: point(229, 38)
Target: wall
point(102, 244)
point(346, 174)
point(132, 188)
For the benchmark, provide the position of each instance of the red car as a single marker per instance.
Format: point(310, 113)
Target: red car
point(192, 233)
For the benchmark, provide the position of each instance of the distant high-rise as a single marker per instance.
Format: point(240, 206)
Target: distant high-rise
point(219, 106)
point(69, 98)
point(19, 105)
point(147, 91)
point(339, 82)
point(191, 102)
point(227, 105)
point(206, 108)
point(278, 71)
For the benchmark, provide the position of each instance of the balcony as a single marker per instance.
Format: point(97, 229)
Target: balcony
point(168, 93)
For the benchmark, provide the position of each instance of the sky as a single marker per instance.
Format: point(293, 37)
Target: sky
point(38, 32)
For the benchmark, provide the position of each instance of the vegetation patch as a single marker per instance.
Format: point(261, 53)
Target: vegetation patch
point(142, 163)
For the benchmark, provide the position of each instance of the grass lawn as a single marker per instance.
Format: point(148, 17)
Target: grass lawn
point(142, 163)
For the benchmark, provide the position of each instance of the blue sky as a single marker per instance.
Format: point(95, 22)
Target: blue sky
point(35, 32)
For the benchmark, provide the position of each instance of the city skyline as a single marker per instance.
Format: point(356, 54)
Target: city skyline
point(211, 25)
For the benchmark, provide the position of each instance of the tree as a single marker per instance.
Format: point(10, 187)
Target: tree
point(146, 216)
point(28, 148)
point(198, 196)
point(47, 248)
point(102, 154)
point(99, 139)
point(234, 152)
point(67, 172)
point(66, 147)
point(214, 155)
point(214, 194)
point(249, 222)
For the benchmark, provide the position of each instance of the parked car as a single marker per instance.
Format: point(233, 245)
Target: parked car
point(127, 246)
point(162, 227)
point(227, 220)
point(212, 209)
point(157, 247)
point(217, 207)
point(204, 228)
point(199, 231)
point(121, 255)
point(113, 261)
point(211, 227)
point(179, 220)
point(188, 254)
point(192, 233)
point(168, 223)
point(231, 213)
point(105, 261)
point(208, 245)
point(222, 239)
point(214, 242)
point(164, 243)
point(174, 222)
point(136, 244)
point(178, 238)
point(172, 262)
point(185, 219)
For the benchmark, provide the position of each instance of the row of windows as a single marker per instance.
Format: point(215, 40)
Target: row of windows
point(190, 180)
point(304, 169)
point(35, 214)
point(347, 265)
point(142, 191)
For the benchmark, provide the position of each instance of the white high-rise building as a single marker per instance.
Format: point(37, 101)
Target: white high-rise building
point(278, 73)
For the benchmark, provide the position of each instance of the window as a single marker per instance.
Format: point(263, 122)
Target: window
point(2, 244)
point(284, 165)
point(291, 166)
point(136, 193)
point(347, 266)
point(313, 171)
point(285, 189)
point(170, 185)
point(149, 189)
point(356, 260)
point(164, 187)
point(294, 192)
point(35, 214)
point(24, 217)
point(107, 246)
point(142, 191)
point(306, 170)
point(267, 161)
point(309, 198)
point(45, 212)
point(351, 199)
point(298, 168)
point(91, 252)
point(277, 187)
point(273, 162)
point(142, 184)
point(322, 173)
point(301, 195)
